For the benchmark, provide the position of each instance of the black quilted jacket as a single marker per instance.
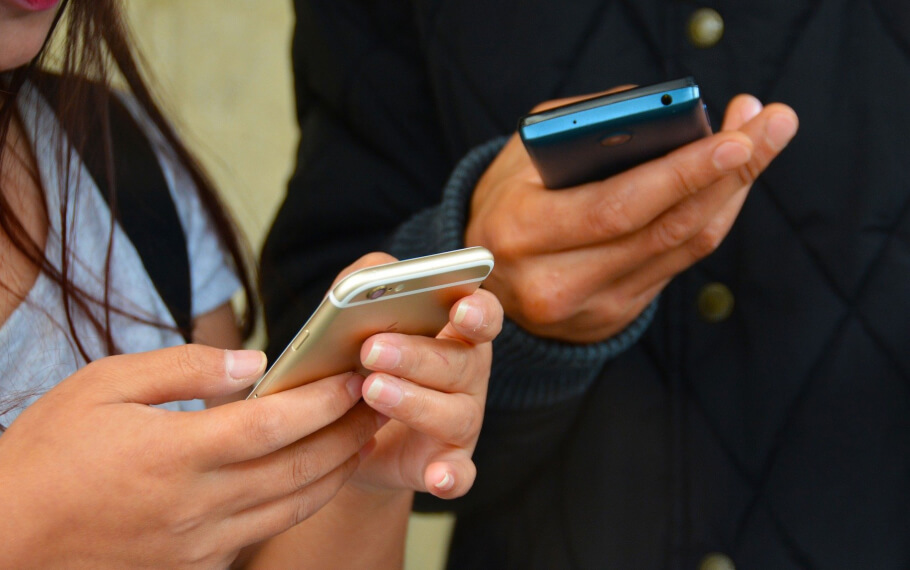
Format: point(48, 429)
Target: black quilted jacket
point(778, 436)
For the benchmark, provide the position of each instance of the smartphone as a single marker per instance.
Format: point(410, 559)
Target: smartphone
point(413, 296)
point(595, 138)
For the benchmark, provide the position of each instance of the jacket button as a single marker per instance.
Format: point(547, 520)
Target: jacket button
point(716, 561)
point(715, 302)
point(705, 28)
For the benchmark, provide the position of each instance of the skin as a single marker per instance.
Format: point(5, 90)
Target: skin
point(92, 476)
point(582, 263)
point(434, 424)
point(224, 478)
point(22, 33)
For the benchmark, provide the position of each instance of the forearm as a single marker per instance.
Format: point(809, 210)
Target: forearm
point(357, 529)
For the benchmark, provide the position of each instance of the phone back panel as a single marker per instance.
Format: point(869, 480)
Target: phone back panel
point(411, 297)
point(602, 136)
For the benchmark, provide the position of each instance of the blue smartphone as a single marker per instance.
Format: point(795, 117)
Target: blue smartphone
point(598, 137)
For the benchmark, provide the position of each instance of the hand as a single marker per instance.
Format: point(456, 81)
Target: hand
point(580, 264)
point(92, 476)
point(434, 390)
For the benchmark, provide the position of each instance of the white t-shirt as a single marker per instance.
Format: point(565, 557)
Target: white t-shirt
point(37, 348)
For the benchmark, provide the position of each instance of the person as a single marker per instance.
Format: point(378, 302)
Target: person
point(650, 406)
point(107, 455)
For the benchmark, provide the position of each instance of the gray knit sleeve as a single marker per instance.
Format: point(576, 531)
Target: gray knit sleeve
point(528, 372)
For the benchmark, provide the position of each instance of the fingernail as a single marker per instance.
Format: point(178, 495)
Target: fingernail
point(384, 392)
point(355, 386)
point(752, 110)
point(244, 364)
point(383, 355)
point(446, 483)
point(729, 155)
point(468, 315)
point(780, 130)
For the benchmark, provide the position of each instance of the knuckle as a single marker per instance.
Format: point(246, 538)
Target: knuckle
point(545, 303)
point(671, 231)
point(303, 466)
point(304, 507)
point(360, 429)
point(416, 360)
point(459, 365)
point(610, 218)
point(466, 431)
point(682, 180)
point(706, 241)
point(191, 360)
point(505, 243)
point(614, 308)
point(747, 173)
point(418, 410)
point(267, 425)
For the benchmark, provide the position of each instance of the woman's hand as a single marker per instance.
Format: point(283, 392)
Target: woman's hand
point(92, 476)
point(434, 390)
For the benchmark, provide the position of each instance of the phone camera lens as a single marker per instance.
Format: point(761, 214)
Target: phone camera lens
point(666, 99)
point(377, 292)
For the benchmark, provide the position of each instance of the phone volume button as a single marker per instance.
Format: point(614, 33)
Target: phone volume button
point(301, 338)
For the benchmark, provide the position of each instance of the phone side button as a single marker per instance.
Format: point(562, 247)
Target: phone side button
point(301, 338)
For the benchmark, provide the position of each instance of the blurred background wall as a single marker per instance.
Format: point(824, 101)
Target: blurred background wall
point(223, 71)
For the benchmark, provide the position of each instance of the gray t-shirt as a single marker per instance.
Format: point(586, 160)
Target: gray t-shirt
point(38, 350)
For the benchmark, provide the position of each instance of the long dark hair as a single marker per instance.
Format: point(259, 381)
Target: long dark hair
point(96, 45)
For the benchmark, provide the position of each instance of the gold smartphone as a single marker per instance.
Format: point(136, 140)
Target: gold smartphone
point(412, 296)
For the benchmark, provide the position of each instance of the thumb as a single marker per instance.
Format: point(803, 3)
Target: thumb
point(368, 260)
point(179, 373)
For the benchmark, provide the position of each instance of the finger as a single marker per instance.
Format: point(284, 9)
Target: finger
point(301, 464)
point(740, 110)
point(178, 373)
point(696, 227)
point(454, 418)
point(770, 132)
point(450, 475)
point(244, 430)
point(442, 364)
point(267, 520)
point(476, 319)
point(686, 224)
point(368, 260)
point(655, 274)
point(602, 211)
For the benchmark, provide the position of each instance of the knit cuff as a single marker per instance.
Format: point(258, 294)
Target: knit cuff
point(528, 371)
